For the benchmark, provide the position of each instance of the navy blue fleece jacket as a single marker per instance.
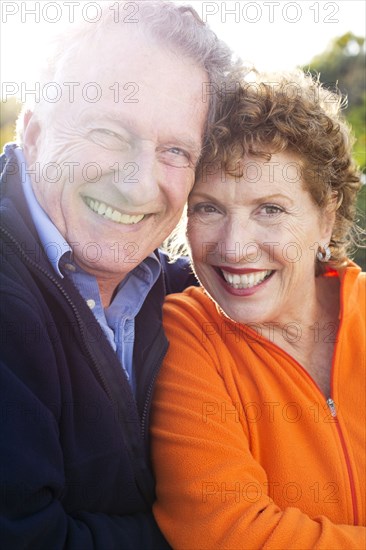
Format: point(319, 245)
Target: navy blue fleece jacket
point(74, 450)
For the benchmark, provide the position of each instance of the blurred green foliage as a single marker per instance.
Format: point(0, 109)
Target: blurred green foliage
point(342, 65)
point(360, 255)
point(9, 111)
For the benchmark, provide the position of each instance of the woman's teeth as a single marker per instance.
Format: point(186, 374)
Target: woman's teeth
point(108, 212)
point(245, 281)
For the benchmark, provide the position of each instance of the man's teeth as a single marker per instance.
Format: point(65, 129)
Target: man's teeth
point(245, 281)
point(108, 212)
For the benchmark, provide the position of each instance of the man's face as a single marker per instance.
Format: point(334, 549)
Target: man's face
point(124, 162)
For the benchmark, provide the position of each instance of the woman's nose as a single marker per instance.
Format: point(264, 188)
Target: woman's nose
point(239, 243)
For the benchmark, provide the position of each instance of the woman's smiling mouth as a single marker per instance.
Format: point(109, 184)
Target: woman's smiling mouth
point(250, 279)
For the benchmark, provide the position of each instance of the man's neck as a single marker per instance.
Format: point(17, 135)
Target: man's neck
point(107, 288)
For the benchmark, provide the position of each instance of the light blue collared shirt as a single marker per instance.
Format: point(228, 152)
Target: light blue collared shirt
point(118, 319)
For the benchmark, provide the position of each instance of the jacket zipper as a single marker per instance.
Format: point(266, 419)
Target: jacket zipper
point(332, 407)
point(333, 410)
point(53, 279)
point(149, 393)
point(152, 381)
point(350, 473)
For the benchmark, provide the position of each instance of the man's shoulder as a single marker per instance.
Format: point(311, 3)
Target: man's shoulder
point(3, 161)
point(14, 210)
point(9, 168)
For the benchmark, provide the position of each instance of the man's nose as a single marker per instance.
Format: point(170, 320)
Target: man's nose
point(138, 178)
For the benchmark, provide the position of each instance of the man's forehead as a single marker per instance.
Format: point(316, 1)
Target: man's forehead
point(96, 51)
point(127, 56)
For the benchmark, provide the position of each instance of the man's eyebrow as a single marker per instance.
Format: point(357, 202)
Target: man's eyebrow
point(102, 119)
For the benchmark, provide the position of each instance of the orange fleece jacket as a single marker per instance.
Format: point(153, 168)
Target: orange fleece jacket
point(246, 450)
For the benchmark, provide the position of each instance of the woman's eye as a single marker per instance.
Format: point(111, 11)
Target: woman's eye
point(203, 209)
point(272, 209)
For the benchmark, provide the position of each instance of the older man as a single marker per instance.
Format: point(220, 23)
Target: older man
point(104, 177)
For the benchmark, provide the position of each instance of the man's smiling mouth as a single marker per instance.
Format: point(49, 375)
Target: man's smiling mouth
point(106, 211)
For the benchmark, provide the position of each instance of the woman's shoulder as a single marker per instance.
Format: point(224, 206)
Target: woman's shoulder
point(190, 308)
point(192, 298)
point(353, 286)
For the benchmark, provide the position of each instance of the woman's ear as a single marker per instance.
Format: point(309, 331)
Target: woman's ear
point(31, 133)
point(328, 215)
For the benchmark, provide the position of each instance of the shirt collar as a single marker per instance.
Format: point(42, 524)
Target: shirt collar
point(53, 243)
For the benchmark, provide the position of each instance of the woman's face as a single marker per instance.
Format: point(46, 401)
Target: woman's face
point(254, 239)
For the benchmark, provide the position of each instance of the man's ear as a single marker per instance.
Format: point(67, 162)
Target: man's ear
point(31, 134)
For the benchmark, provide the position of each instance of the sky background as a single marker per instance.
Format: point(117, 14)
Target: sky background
point(273, 35)
point(284, 35)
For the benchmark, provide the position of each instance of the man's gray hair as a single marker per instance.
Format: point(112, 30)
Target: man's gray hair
point(177, 27)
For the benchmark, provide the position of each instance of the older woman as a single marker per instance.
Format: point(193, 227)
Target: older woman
point(259, 417)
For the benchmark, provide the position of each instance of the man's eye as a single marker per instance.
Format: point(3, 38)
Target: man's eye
point(108, 132)
point(104, 132)
point(175, 156)
point(177, 151)
point(107, 138)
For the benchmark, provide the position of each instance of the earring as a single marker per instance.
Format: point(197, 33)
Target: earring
point(324, 254)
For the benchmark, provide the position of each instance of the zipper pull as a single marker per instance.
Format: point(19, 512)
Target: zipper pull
point(332, 407)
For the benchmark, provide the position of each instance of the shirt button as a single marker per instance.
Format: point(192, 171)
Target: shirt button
point(91, 303)
point(70, 267)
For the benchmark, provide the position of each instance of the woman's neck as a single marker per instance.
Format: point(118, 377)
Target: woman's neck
point(309, 333)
